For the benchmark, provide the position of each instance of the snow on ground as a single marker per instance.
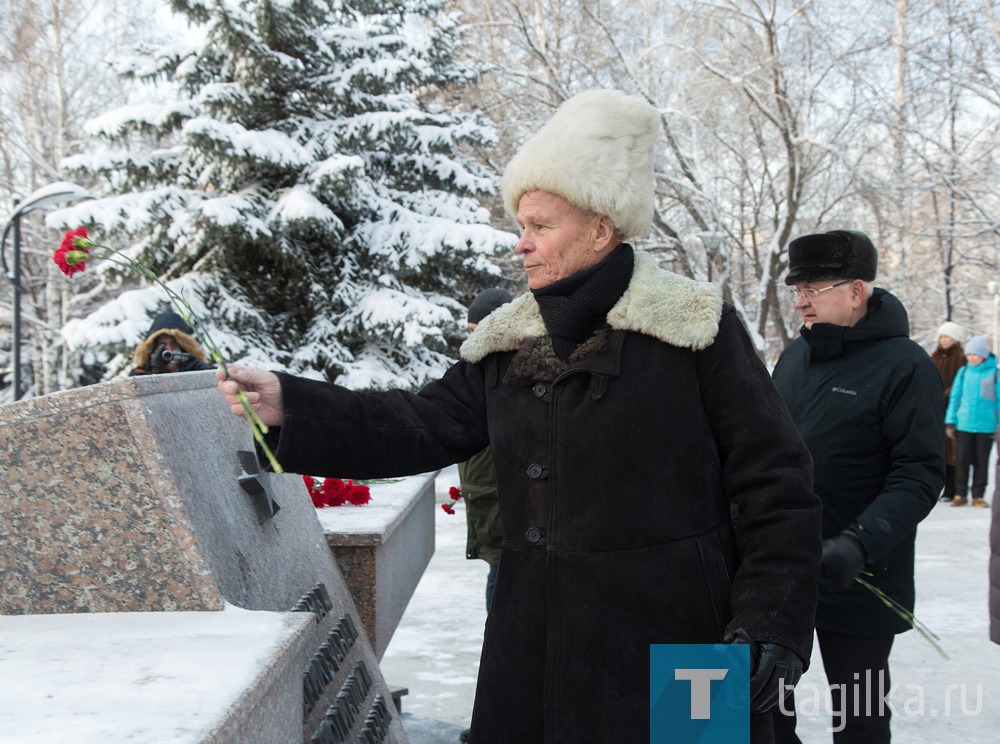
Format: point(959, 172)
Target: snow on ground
point(435, 650)
point(952, 588)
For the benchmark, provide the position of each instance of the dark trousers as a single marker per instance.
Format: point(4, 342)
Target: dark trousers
point(949, 483)
point(491, 580)
point(972, 451)
point(853, 665)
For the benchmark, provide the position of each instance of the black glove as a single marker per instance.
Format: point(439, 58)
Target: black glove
point(842, 560)
point(193, 364)
point(774, 671)
point(157, 365)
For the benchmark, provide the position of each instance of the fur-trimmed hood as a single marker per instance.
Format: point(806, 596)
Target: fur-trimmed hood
point(187, 343)
point(676, 310)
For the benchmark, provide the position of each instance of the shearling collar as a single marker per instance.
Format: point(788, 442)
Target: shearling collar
point(657, 303)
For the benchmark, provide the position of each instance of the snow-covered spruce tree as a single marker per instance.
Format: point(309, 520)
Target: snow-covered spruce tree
point(303, 191)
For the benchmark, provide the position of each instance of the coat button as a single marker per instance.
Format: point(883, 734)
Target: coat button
point(539, 389)
point(535, 470)
point(533, 534)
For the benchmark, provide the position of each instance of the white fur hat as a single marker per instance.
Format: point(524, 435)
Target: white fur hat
point(595, 152)
point(952, 330)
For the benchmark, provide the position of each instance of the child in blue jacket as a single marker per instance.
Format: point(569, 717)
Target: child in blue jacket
point(971, 420)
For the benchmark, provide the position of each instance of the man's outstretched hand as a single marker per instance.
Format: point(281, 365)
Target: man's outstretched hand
point(262, 388)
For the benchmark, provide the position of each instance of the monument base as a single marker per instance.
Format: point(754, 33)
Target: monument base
point(382, 550)
point(141, 500)
point(201, 677)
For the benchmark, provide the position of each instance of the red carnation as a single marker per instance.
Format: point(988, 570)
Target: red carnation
point(334, 492)
point(78, 238)
point(454, 493)
point(318, 499)
point(357, 494)
point(447, 508)
point(72, 255)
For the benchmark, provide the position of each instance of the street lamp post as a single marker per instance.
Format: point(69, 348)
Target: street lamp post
point(62, 192)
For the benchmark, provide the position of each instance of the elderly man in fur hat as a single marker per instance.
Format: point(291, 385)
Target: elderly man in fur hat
point(867, 401)
point(169, 346)
point(630, 420)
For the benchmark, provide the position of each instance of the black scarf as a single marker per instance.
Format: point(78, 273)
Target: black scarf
point(574, 307)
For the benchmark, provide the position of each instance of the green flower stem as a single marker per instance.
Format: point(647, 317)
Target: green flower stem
point(904, 613)
point(257, 426)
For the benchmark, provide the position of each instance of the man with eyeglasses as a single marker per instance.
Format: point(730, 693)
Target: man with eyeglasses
point(867, 402)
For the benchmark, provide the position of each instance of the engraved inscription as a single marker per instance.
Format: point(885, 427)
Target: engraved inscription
point(376, 727)
point(316, 600)
point(324, 664)
point(346, 709)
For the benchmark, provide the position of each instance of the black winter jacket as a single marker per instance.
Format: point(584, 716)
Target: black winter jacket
point(867, 401)
point(617, 471)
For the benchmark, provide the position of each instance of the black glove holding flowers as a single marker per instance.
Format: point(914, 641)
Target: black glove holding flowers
point(774, 671)
point(842, 560)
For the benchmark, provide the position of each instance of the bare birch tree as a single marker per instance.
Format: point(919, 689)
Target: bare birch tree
point(757, 145)
point(780, 118)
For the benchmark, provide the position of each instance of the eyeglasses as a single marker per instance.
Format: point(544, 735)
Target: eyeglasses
point(809, 294)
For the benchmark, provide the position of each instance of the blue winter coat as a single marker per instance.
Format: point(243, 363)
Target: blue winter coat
point(972, 405)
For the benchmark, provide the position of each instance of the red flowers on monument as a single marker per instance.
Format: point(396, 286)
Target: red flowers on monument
point(335, 492)
point(455, 495)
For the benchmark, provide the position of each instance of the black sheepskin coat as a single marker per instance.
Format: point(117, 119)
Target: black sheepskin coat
point(653, 490)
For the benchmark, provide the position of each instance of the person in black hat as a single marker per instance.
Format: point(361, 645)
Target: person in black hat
point(169, 346)
point(867, 401)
